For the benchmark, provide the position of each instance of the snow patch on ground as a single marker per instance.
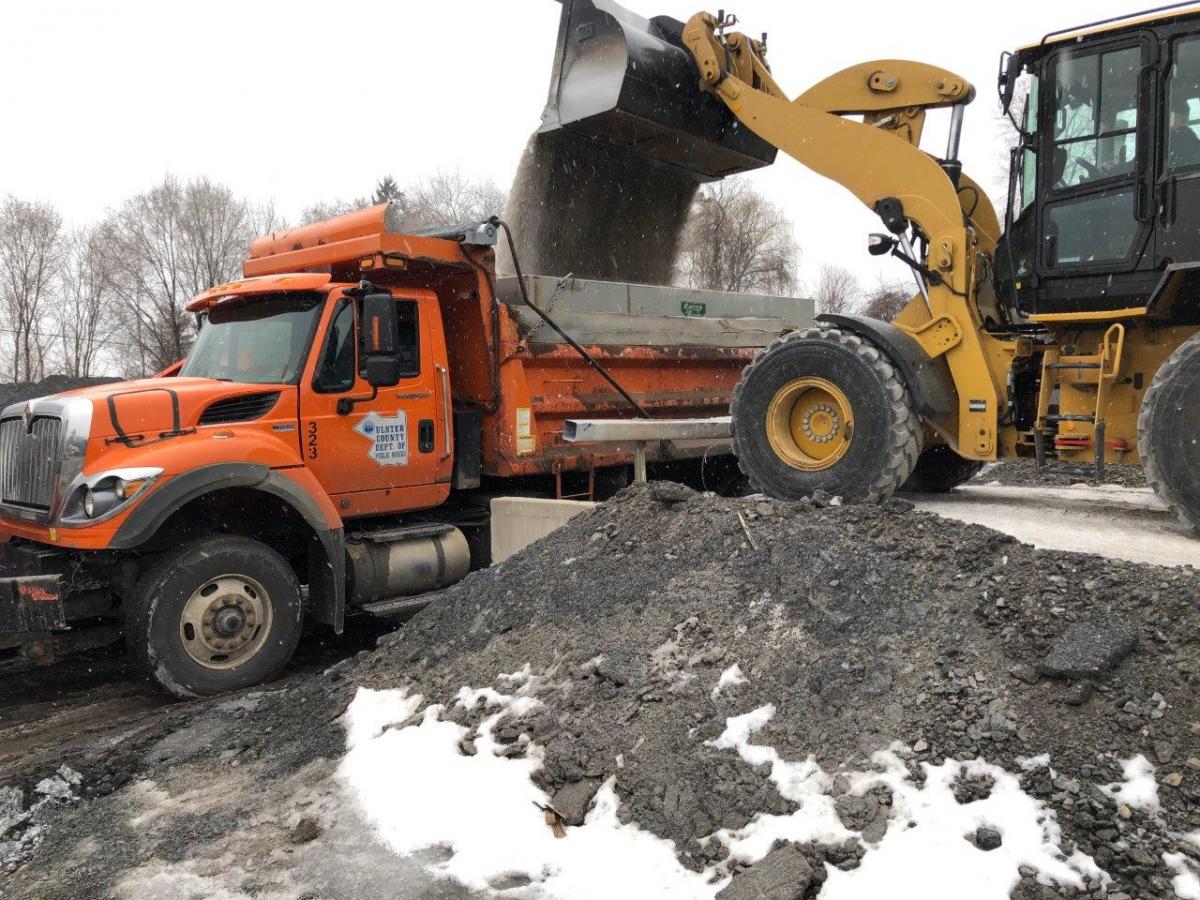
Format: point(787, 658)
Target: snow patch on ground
point(731, 677)
point(419, 790)
point(20, 830)
point(1139, 790)
point(927, 833)
point(1185, 882)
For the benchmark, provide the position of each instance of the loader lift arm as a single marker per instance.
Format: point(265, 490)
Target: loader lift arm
point(880, 162)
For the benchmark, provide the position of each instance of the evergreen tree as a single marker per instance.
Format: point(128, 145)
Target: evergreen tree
point(386, 189)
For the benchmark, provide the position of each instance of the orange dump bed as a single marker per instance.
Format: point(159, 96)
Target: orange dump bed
point(678, 352)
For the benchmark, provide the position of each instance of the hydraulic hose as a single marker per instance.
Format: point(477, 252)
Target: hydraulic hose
point(588, 358)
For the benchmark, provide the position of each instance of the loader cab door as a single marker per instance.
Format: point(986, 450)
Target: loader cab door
point(1095, 175)
point(390, 453)
point(1081, 237)
point(1177, 188)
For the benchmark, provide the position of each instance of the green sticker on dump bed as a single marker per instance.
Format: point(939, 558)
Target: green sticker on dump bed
point(690, 308)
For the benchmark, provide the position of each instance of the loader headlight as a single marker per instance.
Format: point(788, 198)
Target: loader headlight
point(99, 497)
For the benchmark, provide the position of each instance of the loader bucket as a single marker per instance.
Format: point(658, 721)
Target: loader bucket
point(629, 82)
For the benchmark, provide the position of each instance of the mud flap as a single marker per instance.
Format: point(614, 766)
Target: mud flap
point(31, 603)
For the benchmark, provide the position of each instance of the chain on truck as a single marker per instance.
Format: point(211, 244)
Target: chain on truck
point(327, 448)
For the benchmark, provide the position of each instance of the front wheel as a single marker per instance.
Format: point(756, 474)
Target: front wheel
point(1167, 430)
point(224, 613)
point(825, 410)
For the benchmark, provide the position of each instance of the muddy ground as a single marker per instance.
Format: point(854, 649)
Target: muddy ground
point(863, 626)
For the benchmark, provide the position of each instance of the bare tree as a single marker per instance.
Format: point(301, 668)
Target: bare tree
point(169, 244)
point(887, 300)
point(84, 318)
point(30, 254)
point(735, 240)
point(838, 290)
point(450, 198)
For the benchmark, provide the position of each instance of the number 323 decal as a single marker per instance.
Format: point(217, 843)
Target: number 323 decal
point(311, 441)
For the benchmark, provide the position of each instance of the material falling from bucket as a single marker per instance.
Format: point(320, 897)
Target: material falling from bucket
point(605, 185)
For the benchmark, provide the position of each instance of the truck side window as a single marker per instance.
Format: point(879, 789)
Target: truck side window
point(336, 370)
point(408, 343)
point(1183, 106)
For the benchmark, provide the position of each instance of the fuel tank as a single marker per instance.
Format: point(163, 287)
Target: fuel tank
point(405, 561)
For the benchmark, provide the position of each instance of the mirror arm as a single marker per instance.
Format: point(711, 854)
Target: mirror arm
point(345, 405)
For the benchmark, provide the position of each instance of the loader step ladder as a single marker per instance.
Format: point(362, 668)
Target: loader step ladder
point(1107, 365)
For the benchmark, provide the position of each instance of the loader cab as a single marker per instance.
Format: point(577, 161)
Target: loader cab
point(1104, 190)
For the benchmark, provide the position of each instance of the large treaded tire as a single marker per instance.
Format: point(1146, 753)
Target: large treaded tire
point(152, 619)
point(887, 430)
point(1169, 432)
point(940, 470)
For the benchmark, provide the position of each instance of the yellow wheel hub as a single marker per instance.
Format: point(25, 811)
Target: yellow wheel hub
point(810, 424)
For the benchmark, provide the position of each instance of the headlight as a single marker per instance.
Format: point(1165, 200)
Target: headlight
point(99, 497)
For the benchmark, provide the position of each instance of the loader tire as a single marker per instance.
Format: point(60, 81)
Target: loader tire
point(824, 410)
point(220, 614)
point(1167, 432)
point(940, 470)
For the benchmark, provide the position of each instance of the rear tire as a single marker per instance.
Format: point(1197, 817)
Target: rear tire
point(824, 410)
point(221, 614)
point(940, 470)
point(1167, 432)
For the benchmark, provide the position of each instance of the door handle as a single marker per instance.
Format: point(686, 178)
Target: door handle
point(1167, 200)
point(444, 374)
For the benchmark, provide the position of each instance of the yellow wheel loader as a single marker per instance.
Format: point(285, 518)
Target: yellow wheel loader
point(1070, 333)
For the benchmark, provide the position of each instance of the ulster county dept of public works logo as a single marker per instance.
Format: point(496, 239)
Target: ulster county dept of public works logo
point(388, 436)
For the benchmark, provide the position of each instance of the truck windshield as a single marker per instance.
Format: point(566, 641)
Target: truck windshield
point(255, 340)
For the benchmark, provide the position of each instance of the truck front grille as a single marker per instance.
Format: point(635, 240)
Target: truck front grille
point(30, 461)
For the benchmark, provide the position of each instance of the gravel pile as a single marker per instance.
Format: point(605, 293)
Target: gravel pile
point(1024, 473)
point(863, 626)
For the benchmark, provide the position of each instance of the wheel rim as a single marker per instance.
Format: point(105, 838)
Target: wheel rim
point(810, 424)
point(225, 621)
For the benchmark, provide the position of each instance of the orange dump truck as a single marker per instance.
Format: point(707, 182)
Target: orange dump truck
point(329, 445)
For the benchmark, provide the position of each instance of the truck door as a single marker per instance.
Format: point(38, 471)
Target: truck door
point(394, 444)
point(1096, 175)
point(1179, 184)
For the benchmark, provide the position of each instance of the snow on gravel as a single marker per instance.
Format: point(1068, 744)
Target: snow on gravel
point(407, 772)
point(1139, 790)
point(932, 839)
point(417, 787)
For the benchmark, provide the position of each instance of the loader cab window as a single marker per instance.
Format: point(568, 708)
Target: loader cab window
point(335, 371)
point(1029, 157)
point(1095, 117)
point(1183, 106)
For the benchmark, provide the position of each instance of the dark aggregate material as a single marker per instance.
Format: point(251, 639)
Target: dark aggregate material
point(594, 211)
point(54, 384)
point(861, 624)
point(1025, 473)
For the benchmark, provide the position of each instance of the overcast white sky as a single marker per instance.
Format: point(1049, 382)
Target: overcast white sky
point(299, 100)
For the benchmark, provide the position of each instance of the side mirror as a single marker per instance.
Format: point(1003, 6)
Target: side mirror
point(382, 371)
point(1011, 67)
point(880, 244)
point(378, 325)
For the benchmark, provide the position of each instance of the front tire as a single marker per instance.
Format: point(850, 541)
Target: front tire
point(1167, 432)
point(221, 614)
point(824, 410)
